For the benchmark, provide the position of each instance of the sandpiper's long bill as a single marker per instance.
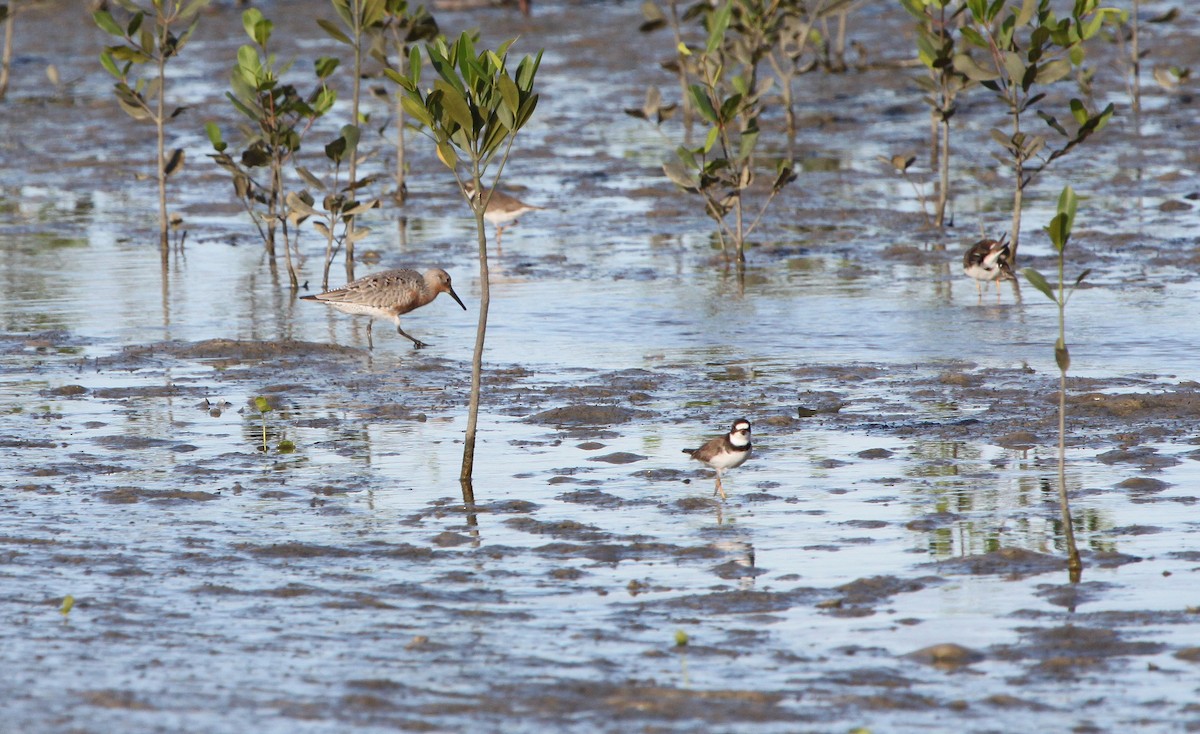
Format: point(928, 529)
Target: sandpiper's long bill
point(987, 261)
point(388, 295)
point(725, 452)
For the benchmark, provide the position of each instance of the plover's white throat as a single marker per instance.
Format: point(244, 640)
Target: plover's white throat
point(502, 210)
point(725, 452)
point(387, 295)
point(987, 261)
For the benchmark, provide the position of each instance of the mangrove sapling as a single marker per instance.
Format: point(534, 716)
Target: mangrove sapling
point(338, 209)
point(475, 108)
point(790, 43)
point(1059, 230)
point(402, 27)
point(730, 98)
point(279, 118)
point(357, 17)
point(144, 98)
point(937, 46)
point(682, 63)
point(1026, 49)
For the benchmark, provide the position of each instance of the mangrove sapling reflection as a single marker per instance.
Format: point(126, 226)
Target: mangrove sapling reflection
point(1059, 230)
point(1025, 48)
point(279, 117)
point(144, 98)
point(475, 108)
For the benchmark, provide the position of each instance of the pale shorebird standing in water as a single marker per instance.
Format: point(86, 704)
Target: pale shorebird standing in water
point(987, 261)
point(387, 295)
point(725, 452)
point(502, 209)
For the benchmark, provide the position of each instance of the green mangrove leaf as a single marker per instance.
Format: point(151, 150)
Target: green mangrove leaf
point(105, 20)
point(1038, 281)
point(334, 32)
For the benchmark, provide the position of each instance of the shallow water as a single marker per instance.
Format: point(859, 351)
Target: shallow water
point(344, 586)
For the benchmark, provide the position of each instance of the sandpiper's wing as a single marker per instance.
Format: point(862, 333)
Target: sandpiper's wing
point(387, 289)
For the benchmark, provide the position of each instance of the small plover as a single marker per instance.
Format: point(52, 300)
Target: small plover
point(725, 452)
point(987, 261)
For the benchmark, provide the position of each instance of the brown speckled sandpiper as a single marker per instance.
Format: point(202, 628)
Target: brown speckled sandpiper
point(387, 295)
point(502, 209)
point(725, 452)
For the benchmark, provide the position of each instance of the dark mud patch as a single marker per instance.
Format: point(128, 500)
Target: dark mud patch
point(742, 601)
point(619, 457)
point(1015, 562)
point(604, 702)
point(567, 529)
point(228, 352)
point(588, 415)
point(130, 495)
point(636, 551)
point(1070, 650)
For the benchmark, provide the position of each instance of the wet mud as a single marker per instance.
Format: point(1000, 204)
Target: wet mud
point(890, 558)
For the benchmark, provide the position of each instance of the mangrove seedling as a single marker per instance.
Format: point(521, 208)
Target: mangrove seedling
point(144, 98)
point(730, 99)
point(790, 40)
point(263, 406)
point(472, 113)
point(937, 45)
point(68, 603)
point(338, 209)
point(402, 27)
point(279, 117)
point(1059, 230)
point(357, 18)
point(1026, 48)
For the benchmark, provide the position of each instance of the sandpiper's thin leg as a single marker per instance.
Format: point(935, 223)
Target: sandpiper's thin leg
point(370, 341)
point(416, 342)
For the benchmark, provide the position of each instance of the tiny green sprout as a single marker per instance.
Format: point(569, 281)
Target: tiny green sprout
point(263, 406)
point(681, 638)
point(286, 447)
point(68, 604)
